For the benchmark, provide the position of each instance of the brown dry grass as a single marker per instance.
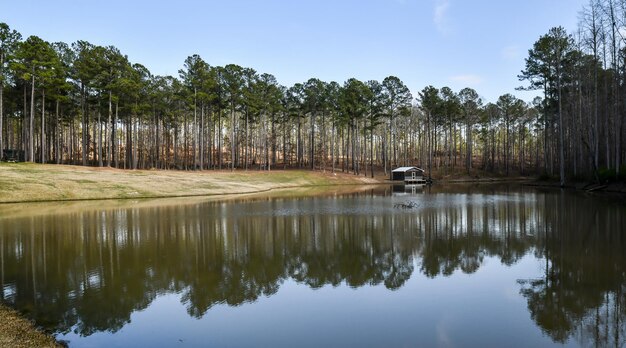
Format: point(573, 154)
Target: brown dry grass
point(28, 182)
point(18, 332)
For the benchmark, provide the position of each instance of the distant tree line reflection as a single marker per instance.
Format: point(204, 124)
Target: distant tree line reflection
point(90, 270)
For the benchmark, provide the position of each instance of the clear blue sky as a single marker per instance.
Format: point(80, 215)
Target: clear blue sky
point(457, 43)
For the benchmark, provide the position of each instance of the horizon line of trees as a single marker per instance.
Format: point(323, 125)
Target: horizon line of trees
point(89, 105)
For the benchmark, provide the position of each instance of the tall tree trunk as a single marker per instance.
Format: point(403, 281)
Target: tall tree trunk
point(201, 135)
point(114, 152)
point(23, 125)
point(220, 138)
point(57, 138)
point(176, 146)
point(351, 148)
point(232, 140)
point(393, 145)
point(299, 144)
point(332, 146)
point(210, 134)
point(156, 146)
point(453, 144)
point(284, 143)
point(138, 143)
point(371, 149)
point(266, 138)
point(110, 140)
point(324, 140)
point(312, 142)
point(596, 129)
point(273, 138)
point(246, 142)
point(128, 160)
point(364, 147)
point(384, 147)
point(99, 137)
point(195, 130)
point(492, 147)
point(1, 106)
point(85, 126)
point(468, 146)
point(618, 142)
point(430, 147)
point(521, 149)
point(185, 142)
point(507, 143)
point(561, 140)
point(31, 121)
point(616, 77)
point(43, 125)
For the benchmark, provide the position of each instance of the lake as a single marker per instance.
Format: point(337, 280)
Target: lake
point(447, 266)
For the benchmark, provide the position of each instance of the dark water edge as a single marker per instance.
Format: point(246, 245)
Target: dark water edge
point(466, 265)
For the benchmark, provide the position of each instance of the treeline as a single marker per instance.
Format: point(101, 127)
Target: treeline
point(88, 104)
point(582, 79)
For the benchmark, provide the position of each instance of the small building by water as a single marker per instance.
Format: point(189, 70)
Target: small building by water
point(410, 175)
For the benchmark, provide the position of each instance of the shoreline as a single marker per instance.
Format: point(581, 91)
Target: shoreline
point(200, 195)
point(18, 332)
point(618, 188)
point(46, 183)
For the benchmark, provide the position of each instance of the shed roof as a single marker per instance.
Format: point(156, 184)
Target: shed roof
point(406, 169)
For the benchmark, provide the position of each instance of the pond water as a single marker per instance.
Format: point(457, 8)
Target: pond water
point(458, 266)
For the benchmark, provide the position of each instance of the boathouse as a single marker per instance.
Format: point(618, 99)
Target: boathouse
point(410, 175)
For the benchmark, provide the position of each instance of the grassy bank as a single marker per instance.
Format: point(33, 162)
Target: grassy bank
point(17, 332)
point(28, 182)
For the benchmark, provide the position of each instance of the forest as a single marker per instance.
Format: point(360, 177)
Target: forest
point(85, 104)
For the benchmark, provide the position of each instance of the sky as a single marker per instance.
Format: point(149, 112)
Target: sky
point(480, 44)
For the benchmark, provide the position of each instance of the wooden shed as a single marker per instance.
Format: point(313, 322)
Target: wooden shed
point(410, 175)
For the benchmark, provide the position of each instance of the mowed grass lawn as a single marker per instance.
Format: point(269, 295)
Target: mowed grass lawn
point(30, 182)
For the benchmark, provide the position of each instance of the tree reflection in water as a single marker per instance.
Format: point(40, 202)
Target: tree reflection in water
point(582, 290)
point(88, 271)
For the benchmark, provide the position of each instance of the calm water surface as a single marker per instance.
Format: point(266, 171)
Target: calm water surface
point(466, 266)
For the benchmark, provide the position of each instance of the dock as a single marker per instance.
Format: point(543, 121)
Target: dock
point(415, 181)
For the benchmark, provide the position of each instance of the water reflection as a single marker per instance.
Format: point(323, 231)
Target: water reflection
point(582, 290)
point(88, 271)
